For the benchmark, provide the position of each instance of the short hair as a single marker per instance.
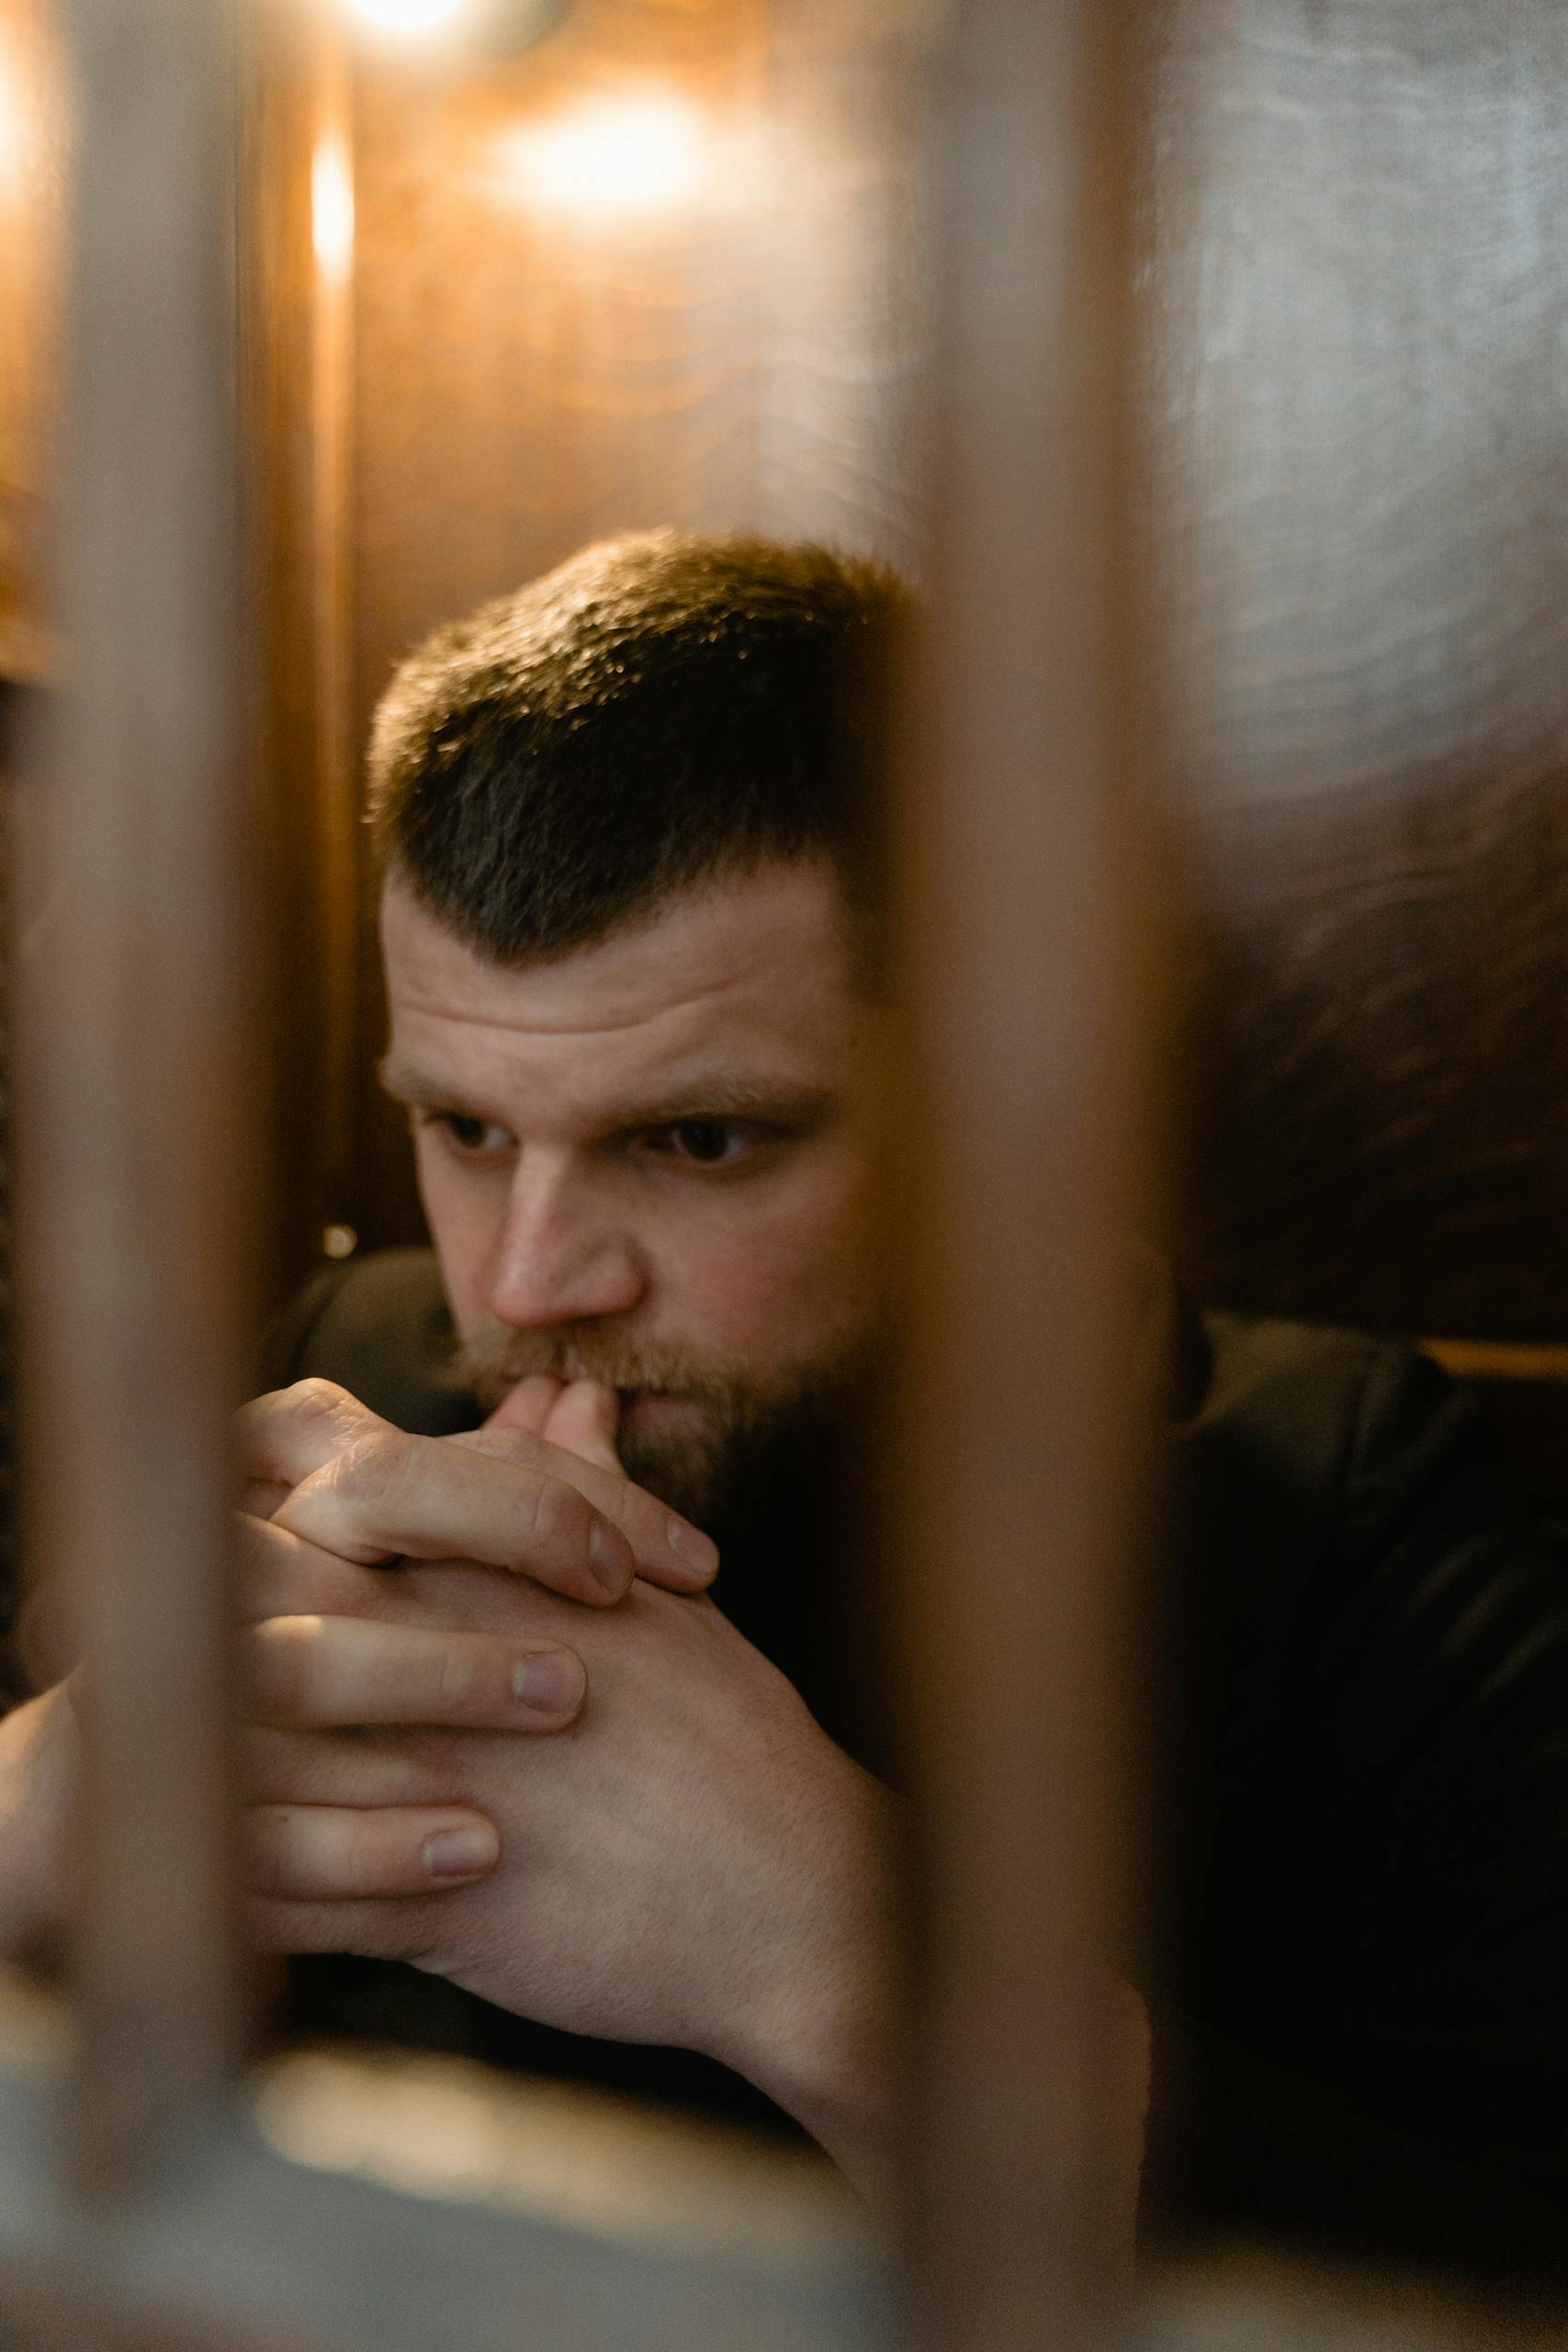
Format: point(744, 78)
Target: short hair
point(660, 709)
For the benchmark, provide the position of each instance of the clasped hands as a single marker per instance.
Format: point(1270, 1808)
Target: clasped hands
point(348, 1668)
point(684, 1859)
point(688, 1859)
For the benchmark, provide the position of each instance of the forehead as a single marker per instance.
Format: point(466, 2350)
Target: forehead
point(748, 978)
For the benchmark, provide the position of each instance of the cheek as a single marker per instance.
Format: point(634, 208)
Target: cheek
point(771, 1273)
point(466, 1216)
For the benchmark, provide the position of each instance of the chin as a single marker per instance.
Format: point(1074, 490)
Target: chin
point(668, 1445)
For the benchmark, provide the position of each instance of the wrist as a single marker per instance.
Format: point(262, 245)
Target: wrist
point(818, 2034)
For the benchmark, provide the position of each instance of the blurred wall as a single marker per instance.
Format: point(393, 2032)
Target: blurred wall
point(1362, 299)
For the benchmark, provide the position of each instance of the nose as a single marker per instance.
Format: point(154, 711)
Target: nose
point(563, 1256)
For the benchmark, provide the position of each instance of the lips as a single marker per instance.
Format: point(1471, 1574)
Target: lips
point(650, 1404)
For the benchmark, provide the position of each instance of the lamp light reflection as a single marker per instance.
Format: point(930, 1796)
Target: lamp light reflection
point(10, 124)
point(642, 152)
point(332, 211)
point(407, 16)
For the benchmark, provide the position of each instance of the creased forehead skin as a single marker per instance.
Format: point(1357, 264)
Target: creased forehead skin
point(741, 990)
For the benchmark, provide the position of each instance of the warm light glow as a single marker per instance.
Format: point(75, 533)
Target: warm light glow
point(10, 127)
point(407, 16)
point(332, 211)
point(641, 152)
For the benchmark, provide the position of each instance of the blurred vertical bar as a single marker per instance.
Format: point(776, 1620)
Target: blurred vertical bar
point(336, 799)
point(297, 231)
point(135, 1171)
point(1021, 1131)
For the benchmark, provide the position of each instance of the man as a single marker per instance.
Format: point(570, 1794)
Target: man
point(630, 923)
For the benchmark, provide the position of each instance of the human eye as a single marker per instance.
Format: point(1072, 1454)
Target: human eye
point(707, 1143)
point(470, 1137)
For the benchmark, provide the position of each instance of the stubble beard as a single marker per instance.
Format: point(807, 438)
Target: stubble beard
point(740, 1423)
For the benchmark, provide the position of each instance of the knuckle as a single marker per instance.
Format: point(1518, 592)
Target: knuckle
point(634, 1510)
point(458, 1674)
point(372, 1467)
point(519, 1448)
point(316, 1402)
point(561, 1518)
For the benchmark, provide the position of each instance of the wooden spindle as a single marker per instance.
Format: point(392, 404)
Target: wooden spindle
point(1020, 1143)
point(134, 1065)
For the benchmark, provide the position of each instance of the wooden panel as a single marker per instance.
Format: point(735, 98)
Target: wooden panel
point(32, 141)
point(844, 275)
point(536, 370)
point(1362, 287)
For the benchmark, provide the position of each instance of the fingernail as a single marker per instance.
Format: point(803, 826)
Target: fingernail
point(693, 1548)
point(462, 1853)
point(548, 1681)
point(611, 1556)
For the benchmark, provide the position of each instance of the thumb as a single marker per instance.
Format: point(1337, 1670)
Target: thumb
point(586, 1418)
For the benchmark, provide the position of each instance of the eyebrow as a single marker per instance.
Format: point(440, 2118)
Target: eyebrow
point(722, 1097)
point(406, 1084)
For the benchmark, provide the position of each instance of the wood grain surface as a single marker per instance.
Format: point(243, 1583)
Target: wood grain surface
point(1362, 290)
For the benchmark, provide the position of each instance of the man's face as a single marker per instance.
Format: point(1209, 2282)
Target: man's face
point(645, 1161)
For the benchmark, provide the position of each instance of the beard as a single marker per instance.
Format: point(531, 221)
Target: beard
point(736, 1428)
